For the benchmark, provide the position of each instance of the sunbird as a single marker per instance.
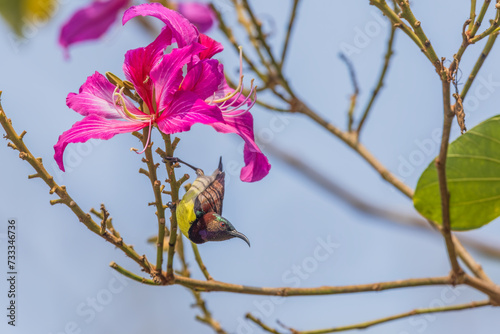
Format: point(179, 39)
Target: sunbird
point(199, 213)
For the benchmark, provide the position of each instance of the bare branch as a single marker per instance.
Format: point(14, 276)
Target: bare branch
point(411, 313)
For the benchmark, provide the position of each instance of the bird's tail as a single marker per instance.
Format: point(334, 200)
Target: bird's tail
point(220, 164)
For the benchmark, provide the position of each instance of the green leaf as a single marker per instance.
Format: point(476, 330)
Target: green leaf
point(473, 174)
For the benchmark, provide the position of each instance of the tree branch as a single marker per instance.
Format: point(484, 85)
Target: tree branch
point(479, 63)
point(289, 32)
point(367, 324)
point(443, 185)
point(160, 209)
point(201, 265)
point(326, 183)
point(64, 197)
point(213, 285)
point(174, 193)
point(381, 78)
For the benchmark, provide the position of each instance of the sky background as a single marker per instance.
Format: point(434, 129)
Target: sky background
point(63, 267)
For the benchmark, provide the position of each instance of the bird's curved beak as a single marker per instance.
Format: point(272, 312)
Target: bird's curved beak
point(240, 235)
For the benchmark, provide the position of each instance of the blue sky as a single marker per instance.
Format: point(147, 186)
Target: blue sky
point(65, 284)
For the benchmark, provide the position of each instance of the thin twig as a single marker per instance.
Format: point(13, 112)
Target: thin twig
point(250, 30)
point(398, 23)
point(201, 265)
point(289, 32)
point(472, 16)
point(416, 25)
point(262, 39)
point(317, 291)
point(232, 39)
point(207, 317)
point(260, 34)
point(480, 17)
point(493, 28)
point(411, 313)
point(131, 275)
point(261, 324)
point(354, 95)
point(479, 63)
point(381, 78)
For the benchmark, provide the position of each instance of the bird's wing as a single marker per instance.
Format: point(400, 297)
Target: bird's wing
point(210, 199)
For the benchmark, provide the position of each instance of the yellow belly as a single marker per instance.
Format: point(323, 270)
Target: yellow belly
point(185, 216)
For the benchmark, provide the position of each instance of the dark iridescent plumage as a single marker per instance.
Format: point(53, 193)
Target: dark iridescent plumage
point(199, 212)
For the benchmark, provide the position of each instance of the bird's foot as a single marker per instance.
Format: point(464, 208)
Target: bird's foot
point(171, 205)
point(174, 160)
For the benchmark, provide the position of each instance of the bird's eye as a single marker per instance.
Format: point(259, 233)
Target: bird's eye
point(222, 224)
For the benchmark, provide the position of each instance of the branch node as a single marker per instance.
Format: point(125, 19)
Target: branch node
point(143, 171)
point(56, 201)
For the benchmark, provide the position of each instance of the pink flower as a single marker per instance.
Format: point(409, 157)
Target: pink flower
point(199, 14)
point(234, 106)
point(92, 21)
point(176, 90)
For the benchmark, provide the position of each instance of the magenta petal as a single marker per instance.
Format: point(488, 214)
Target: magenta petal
point(204, 78)
point(212, 46)
point(168, 74)
point(90, 22)
point(198, 14)
point(96, 98)
point(186, 110)
point(182, 30)
point(256, 164)
point(139, 62)
point(92, 127)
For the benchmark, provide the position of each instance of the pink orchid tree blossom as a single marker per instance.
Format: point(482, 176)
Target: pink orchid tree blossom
point(176, 90)
point(94, 20)
point(90, 22)
point(232, 104)
point(199, 14)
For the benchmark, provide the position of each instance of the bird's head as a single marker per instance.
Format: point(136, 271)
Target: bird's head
point(218, 228)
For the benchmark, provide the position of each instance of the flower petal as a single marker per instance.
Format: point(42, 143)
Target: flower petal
point(204, 78)
point(212, 45)
point(256, 164)
point(167, 76)
point(182, 30)
point(186, 110)
point(92, 127)
point(90, 22)
point(139, 62)
point(198, 14)
point(96, 98)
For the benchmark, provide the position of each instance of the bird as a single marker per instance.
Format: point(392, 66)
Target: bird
point(199, 212)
